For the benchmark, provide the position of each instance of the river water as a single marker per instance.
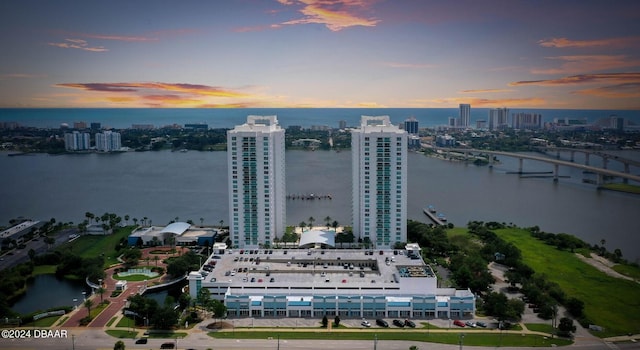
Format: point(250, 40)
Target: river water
point(193, 185)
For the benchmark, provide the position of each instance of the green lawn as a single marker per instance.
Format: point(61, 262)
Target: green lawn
point(89, 246)
point(540, 327)
point(121, 333)
point(470, 339)
point(609, 302)
point(628, 270)
point(622, 187)
point(44, 270)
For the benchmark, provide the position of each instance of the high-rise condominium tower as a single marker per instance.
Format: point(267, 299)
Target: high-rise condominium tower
point(379, 155)
point(465, 115)
point(108, 141)
point(498, 118)
point(257, 207)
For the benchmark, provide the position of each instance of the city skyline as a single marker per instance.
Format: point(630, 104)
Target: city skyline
point(320, 53)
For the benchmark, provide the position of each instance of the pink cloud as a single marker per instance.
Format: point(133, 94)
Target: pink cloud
point(582, 79)
point(610, 42)
point(78, 44)
point(588, 63)
point(335, 15)
point(409, 65)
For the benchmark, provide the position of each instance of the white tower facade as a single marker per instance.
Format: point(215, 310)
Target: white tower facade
point(256, 166)
point(465, 115)
point(379, 175)
point(108, 141)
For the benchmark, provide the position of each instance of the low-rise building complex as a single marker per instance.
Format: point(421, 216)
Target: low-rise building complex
point(318, 282)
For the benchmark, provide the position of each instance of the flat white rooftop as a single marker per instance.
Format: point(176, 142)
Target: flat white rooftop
point(310, 271)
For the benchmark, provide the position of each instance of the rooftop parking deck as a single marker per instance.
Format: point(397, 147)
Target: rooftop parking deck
point(318, 269)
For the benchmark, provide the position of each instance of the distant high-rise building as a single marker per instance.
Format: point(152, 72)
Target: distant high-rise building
point(256, 166)
point(481, 124)
point(411, 126)
point(96, 126)
point(108, 141)
point(616, 122)
point(498, 118)
point(453, 122)
point(465, 115)
point(379, 156)
point(526, 121)
point(342, 124)
point(79, 125)
point(77, 141)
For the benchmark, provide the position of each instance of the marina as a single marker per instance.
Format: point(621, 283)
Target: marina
point(438, 218)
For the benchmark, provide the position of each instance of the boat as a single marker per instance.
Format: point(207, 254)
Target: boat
point(442, 217)
point(431, 209)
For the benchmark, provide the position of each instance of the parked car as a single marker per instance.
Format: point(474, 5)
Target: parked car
point(458, 323)
point(167, 346)
point(382, 323)
point(398, 323)
point(409, 323)
point(470, 324)
point(141, 341)
point(481, 324)
point(365, 323)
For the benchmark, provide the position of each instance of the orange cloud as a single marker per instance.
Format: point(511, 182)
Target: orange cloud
point(335, 15)
point(589, 63)
point(582, 79)
point(481, 91)
point(157, 94)
point(628, 90)
point(189, 89)
point(493, 103)
point(78, 44)
point(610, 42)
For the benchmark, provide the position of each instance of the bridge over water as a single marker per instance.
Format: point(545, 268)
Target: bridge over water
point(600, 172)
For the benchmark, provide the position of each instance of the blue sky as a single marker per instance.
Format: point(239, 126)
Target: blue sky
point(320, 53)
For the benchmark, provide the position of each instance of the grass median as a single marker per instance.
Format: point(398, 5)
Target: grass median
point(468, 338)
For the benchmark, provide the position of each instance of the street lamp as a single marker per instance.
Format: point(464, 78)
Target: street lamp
point(75, 303)
point(84, 295)
point(461, 340)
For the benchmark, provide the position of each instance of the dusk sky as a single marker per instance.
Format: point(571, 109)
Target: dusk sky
point(320, 53)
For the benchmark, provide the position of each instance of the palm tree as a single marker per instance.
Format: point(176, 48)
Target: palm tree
point(88, 304)
point(201, 222)
point(144, 221)
point(135, 221)
point(311, 220)
point(302, 226)
point(155, 258)
point(101, 290)
point(126, 219)
point(221, 223)
point(327, 220)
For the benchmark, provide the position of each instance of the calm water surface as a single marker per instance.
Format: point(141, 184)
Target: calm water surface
point(193, 185)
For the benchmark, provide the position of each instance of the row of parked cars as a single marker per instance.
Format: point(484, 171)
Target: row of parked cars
point(470, 324)
point(382, 323)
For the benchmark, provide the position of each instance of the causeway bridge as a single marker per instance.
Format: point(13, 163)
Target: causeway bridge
point(600, 172)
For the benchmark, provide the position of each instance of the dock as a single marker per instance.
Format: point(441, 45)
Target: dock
point(433, 217)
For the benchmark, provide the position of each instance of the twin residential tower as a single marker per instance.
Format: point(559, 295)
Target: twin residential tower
point(257, 191)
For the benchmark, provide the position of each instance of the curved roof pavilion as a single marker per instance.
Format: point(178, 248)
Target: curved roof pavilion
point(312, 238)
point(177, 228)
